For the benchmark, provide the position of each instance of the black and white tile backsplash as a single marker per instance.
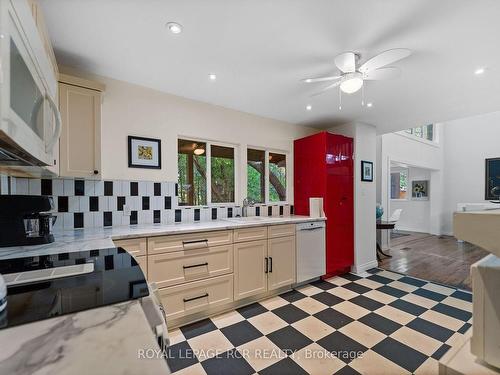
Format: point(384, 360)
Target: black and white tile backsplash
point(93, 204)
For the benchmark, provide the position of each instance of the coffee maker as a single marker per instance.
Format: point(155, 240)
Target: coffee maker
point(25, 220)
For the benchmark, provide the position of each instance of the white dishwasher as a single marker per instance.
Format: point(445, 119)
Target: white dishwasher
point(311, 250)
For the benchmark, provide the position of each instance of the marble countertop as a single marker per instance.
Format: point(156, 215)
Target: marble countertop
point(105, 340)
point(108, 340)
point(101, 238)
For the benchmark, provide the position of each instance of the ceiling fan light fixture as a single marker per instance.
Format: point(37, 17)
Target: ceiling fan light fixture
point(351, 82)
point(199, 151)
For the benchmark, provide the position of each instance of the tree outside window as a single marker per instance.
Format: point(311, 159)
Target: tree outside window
point(194, 159)
point(256, 175)
point(222, 173)
point(277, 177)
point(192, 172)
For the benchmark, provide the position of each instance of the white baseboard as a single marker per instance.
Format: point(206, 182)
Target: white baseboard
point(408, 229)
point(360, 268)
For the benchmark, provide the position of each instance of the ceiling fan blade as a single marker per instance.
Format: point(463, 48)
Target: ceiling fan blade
point(346, 62)
point(321, 79)
point(384, 58)
point(382, 73)
point(335, 84)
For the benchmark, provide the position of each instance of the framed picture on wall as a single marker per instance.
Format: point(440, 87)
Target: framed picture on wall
point(420, 190)
point(366, 171)
point(144, 152)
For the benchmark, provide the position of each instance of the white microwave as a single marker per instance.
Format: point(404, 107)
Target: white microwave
point(30, 123)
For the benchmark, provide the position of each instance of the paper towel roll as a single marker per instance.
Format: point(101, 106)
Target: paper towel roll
point(316, 207)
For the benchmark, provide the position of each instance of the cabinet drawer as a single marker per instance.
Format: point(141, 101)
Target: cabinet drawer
point(283, 230)
point(182, 266)
point(250, 234)
point(135, 246)
point(180, 242)
point(196, 296)
point(142, 261)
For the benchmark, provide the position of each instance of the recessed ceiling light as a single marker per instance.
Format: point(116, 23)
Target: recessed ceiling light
point(369, 105)
point(174, 27)
point(309, 107)
point(479, 71)
point(212, 77)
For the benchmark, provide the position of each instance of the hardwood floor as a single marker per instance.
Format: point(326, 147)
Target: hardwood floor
point(435, 258)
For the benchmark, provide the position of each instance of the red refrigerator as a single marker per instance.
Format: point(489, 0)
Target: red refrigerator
point(323, 167)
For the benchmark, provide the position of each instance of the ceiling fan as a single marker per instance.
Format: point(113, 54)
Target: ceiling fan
point(352, 76)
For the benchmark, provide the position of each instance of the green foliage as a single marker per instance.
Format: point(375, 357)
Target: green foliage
point(255, 188)
point(280, 173)
point(403, 181)
point(199, 186)
point(222, 180)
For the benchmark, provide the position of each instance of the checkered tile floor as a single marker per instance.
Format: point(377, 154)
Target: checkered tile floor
point(385, 323)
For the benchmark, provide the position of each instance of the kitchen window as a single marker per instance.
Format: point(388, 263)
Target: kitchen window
point(192, 169)
point(266, 173)
point(222, 174)
point(206, 173)
point(256, 175)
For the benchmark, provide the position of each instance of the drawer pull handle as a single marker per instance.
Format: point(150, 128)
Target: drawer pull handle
point(194, 242)
point(266, 265)
point(196, 265)
point(270, 264)
point(195, 298)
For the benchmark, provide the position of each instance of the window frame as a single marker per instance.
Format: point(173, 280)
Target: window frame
point(266, 160)
point(208, 155)
point(407, 183)
point(267, 151)
point(435, 135)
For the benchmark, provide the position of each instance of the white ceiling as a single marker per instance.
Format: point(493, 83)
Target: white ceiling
point(260, 49)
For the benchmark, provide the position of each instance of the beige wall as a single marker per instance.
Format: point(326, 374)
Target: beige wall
point(130, 109)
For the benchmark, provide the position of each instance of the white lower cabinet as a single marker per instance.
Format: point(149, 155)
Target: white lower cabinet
point(250, 268)
point(199, 274)
point(281, 258)
point(142, 261)
point(137, 248)
point(197, 296)
point(261, 266)
point(179, 267)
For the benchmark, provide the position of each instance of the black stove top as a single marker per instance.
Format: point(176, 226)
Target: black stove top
point(110, 276)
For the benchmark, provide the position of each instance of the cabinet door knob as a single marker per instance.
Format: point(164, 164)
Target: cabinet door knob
point(96, 171)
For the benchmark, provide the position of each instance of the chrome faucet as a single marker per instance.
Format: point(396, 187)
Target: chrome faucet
point(246, 203)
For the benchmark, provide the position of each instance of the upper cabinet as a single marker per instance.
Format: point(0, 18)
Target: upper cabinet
point(80, 143)
point(43, 32)
point(29, 117)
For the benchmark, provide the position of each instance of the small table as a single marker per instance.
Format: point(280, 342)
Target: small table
point(384, 225)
